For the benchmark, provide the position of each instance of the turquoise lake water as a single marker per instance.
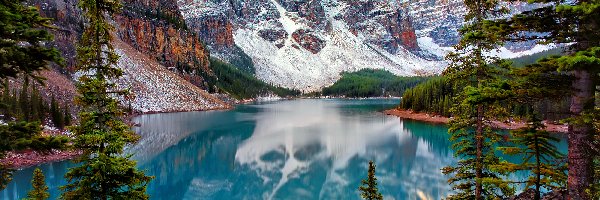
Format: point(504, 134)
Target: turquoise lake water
point(298, 149)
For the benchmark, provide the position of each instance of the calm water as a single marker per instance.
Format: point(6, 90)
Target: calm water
point(300, 149)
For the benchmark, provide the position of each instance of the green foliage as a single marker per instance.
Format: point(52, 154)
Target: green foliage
point(575, 23)
point(473, 142)
point(595, 189)
point(22, 39)
point(371, 83)
point(242, 61)
point(159, 15)
point(56, 114)
point(368, 188)
point(240, 84)
point(40, 189)
point(104, 173)
point(67, 117)
point(22, 54)
point(480, 92)
point(5, 175)
point(432, 96)
point(533, 58)
point(24, 102)
point(28, 105)
point(541, 157)
point(25, 135)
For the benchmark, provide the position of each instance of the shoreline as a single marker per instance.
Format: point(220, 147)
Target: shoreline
point(18, 160)
point(437, 119)
point(28, 158)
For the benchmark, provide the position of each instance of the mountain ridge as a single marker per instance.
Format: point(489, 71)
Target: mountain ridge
point(306, 44)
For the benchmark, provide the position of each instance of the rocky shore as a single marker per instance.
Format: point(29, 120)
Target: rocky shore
point(28, 158)
point(437, 119)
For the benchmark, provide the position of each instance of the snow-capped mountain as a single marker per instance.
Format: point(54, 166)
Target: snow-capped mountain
point(305, 44)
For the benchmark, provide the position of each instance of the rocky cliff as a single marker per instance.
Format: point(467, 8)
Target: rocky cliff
point(299, 44)
point(305, 44)
point(157, 29)
point(159, 36)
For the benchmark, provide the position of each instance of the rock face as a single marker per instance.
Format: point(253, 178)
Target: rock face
point(388, 27)
point(147, 29)
point(69, 25)
point(305, 44)
point(157, 29)
point(308, 40)
point(216, 31)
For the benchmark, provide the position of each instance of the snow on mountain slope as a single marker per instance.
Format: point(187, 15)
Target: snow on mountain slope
point(294, 67)
point(156, 89)
point(306, 44)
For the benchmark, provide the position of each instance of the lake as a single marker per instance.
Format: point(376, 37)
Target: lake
point(297, 149)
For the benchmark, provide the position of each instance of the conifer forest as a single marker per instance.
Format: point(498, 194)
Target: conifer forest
point(289, 99)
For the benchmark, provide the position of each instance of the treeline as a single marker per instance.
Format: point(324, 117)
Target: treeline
point(371, 83)
point(530, 59)
point(27, 104)
point(240, 84)
point(156, 14)
point(436, 96)
point(432, 96)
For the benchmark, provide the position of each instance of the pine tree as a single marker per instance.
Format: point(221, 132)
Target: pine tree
point(56, 113)
point(24, 102)
point(22, 54)
point(40, 189)
point(25, 135)
point(574, 23)
point(104, 172)
point(6, 105)
point(43, 108)
point(368, 188)
point(477, 74)
point(23, 50)
point(34, 103)
point(68, 117)
point(541, 157)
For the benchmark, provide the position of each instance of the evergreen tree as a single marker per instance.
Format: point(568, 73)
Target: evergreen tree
point(25, 135)
point(575, 23)
point(6, 104)
point(68, 117)
point(432, 96)
point(40, 189)
point(36, 114)
point(368, 188)
point(541, 157)
point(478, 103)
point(22, 54)
point(104, 172)
point(56, 113)
point(24, 102)
point(22, 41)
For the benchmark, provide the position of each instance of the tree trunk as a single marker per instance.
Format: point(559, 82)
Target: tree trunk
point(580, 158)
point(538, 171)
point(479, 158)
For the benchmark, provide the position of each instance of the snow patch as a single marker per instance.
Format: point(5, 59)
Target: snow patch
point(292, 66)
point(155, 89)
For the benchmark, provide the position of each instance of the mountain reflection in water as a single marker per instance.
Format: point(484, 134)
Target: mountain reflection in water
point(298, 149)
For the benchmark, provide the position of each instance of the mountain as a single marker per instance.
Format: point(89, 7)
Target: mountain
point(306, 44)
point(167, 45)
point(161, 59)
